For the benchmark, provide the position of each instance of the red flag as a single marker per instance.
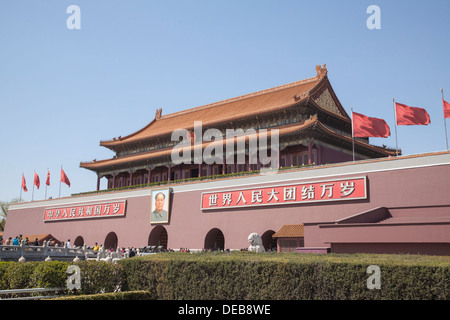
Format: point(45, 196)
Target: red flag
point(37, 182)
point(364, 126)
point(446, 108)
point(48, 178)
point(407, 115)
point(64, 178)
point(24, 184)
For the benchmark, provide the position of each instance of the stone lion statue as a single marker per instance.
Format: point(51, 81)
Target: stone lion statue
point(255, 243)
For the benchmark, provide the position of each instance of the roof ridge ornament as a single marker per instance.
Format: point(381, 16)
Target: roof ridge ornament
point(298, 97)
point(321, 70)
point(158, 114)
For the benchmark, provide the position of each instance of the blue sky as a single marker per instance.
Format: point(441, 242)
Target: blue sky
point(62, 90)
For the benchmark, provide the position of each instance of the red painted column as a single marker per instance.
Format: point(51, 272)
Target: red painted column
point(224, 165)
point(279, 159)
point(309, 152)
point(319, 155)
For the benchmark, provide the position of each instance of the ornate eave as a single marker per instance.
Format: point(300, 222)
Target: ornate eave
point(297, 133)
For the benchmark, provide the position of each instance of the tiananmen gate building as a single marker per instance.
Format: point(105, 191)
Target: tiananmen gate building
point(311, 197)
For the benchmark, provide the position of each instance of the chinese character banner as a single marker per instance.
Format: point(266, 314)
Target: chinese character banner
point(332, 190)
point(96, 210)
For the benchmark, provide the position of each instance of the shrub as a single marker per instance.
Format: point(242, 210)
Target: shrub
point(50, 274)
point(251, 276)
point(96, 276)
point(4, 285)
point(18, 275)
point(100, 277)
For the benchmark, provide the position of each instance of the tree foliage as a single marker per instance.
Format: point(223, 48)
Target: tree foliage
point(4, 206)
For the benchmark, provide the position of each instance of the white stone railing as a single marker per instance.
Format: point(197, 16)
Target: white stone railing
point(28, 293)
point(45, 252)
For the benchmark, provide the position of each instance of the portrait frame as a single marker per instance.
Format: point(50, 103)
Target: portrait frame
point(158, 217)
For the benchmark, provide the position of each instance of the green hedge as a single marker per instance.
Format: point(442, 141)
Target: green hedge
point(250, 276)
point(96, 276)
point(243, 276)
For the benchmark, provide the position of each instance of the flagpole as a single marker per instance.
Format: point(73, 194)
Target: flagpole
point(353, 139)
point(46, 188)
point(60, 186)
point(21, 187)
point(445, 124)
point(395, 117)
point(32, 193)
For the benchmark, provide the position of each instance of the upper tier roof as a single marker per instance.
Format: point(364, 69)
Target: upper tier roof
point(256, 103)
point(312, 123)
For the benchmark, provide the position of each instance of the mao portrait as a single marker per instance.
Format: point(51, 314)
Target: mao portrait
point(160, 206)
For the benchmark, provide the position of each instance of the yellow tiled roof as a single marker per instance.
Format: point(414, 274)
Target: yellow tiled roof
point(251, 104)
point(289, 231)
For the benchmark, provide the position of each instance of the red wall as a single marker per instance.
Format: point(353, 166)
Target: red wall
point(394, 184)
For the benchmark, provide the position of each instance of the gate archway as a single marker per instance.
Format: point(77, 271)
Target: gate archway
point(79, 241)
point(214, 240)
point(111, 241)
point(158, 237)
point(269, 243)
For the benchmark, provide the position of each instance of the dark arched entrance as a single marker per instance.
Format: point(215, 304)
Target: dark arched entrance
point(214, 240)
point(111, 241)
point(269, 243)
point(79, 241)
point(158, 237)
